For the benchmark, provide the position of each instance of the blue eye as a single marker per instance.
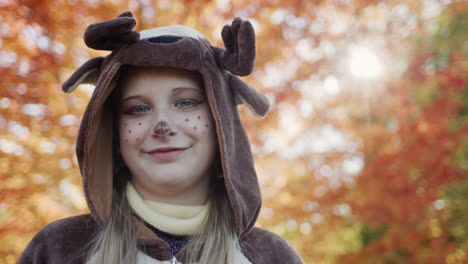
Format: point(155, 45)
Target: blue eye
point(139, 109)
point(185, 101)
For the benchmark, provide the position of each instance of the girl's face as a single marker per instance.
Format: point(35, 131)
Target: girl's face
point(166, 108)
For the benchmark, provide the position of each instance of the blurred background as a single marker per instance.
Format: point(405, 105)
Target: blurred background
point(363, 157)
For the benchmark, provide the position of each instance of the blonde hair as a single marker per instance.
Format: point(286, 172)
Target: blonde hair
point(116, 241)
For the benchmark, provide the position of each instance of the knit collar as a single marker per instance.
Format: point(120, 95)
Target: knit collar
point(170, 218)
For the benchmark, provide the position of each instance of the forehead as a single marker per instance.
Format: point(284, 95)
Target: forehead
point(157, 80)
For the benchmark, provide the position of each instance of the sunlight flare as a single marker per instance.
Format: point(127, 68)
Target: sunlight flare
point(364, 63)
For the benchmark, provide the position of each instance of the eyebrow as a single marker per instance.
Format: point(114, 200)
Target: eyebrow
point(173, 90)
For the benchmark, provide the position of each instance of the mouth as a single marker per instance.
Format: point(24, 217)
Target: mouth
point(162, 150)
point(166, 154)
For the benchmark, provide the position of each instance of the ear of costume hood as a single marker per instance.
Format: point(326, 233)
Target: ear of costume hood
point(249, 96)
point(87, 73)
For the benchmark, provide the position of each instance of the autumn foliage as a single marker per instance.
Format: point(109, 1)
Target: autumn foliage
point(362, 159)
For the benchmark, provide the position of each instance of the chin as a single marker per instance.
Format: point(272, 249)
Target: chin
point(168, 179)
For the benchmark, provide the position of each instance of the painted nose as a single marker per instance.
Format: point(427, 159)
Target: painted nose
point(162, 128)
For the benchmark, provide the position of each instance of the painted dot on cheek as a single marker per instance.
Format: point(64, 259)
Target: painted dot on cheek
point(198, 117)
point(194, 127)
point(186, 119)
point(139, 124)
point(206, 125)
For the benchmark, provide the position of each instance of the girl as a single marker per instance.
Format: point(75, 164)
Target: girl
point(167, 168)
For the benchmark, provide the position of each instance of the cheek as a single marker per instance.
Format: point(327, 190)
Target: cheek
point(131, 131)
point(199, 124)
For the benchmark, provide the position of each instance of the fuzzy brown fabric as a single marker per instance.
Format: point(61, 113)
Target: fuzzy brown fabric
point(63, 240)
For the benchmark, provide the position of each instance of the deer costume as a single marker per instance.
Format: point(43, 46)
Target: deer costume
point(184, 48)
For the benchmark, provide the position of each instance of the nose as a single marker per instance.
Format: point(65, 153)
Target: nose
point(162, 128)
point(165, 125)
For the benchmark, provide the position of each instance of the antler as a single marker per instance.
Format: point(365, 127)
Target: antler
point(112, 34)
point(239, 40)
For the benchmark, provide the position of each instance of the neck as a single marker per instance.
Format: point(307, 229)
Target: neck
point(196, 194)
point(169, 218)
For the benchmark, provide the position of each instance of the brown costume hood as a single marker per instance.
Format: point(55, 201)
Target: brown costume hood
point(184, 48)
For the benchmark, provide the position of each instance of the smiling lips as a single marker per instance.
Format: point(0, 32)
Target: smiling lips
point(165, 149)
point(165, 154)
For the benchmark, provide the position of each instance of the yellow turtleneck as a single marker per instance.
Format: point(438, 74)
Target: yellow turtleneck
point(170, 218)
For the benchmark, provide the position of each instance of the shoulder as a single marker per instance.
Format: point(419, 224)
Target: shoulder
point(59, 240)
point(268, 247)
point(62, 229)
